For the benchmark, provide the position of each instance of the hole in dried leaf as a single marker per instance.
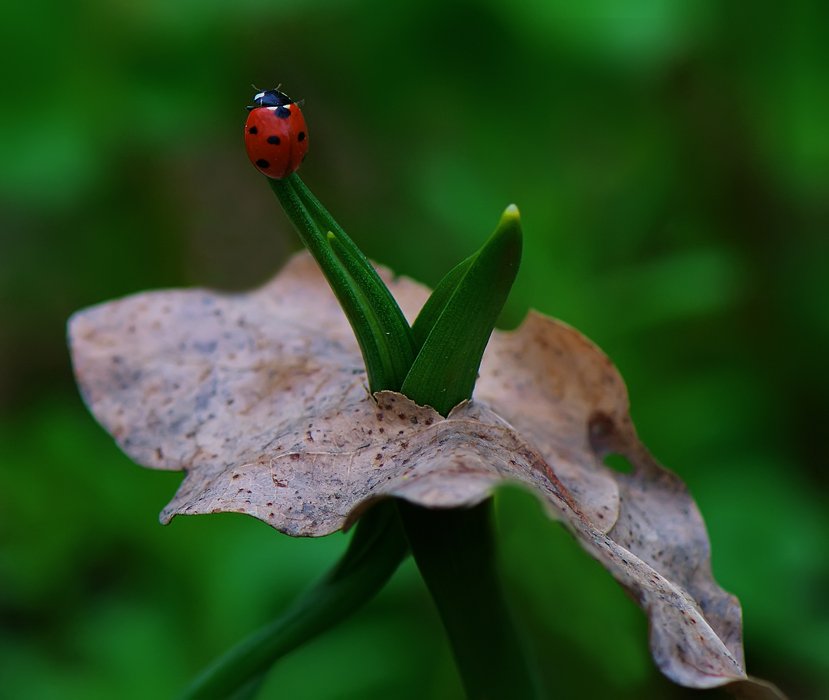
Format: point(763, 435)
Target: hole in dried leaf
point(618, 462)
point(600, 425)
point(601, 432)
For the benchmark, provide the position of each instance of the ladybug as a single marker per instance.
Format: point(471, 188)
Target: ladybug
point(276, 137)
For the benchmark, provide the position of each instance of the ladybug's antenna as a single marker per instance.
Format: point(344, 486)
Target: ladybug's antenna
point(256, 89)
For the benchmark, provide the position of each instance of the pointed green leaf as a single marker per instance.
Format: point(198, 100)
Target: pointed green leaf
point(434, 306)
point(446, 368)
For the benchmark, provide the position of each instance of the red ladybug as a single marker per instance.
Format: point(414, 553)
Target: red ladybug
point(276, 137)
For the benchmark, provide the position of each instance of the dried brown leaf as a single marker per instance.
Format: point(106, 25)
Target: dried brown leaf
point(261, 399)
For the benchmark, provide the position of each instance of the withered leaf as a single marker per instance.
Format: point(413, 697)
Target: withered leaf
point(261, 399)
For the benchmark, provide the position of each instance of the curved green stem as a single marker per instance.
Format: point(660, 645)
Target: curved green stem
point(373, 555)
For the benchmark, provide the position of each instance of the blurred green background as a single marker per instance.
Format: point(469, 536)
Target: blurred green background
point(671, 162)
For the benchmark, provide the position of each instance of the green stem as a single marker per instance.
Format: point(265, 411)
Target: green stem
point(373, 555)
point(455, 552)
point(455, 549)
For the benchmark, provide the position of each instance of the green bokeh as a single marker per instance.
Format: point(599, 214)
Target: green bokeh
point(671, 162)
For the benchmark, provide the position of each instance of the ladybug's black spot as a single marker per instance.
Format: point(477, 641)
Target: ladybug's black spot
point(283, 112)
point(262, 163)
point(253, 130)
point(274, 140)
point(300, 136)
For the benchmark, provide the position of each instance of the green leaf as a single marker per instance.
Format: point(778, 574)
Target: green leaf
point(391, 320)
point(462, 318)
point(373, 555)
point(398, 342)
point(382, 332)
point(436, 302)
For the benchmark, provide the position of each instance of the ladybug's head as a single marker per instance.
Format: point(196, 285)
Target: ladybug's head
point(270, 98)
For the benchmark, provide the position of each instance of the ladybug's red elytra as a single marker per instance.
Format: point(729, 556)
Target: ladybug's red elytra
point(276, 137)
